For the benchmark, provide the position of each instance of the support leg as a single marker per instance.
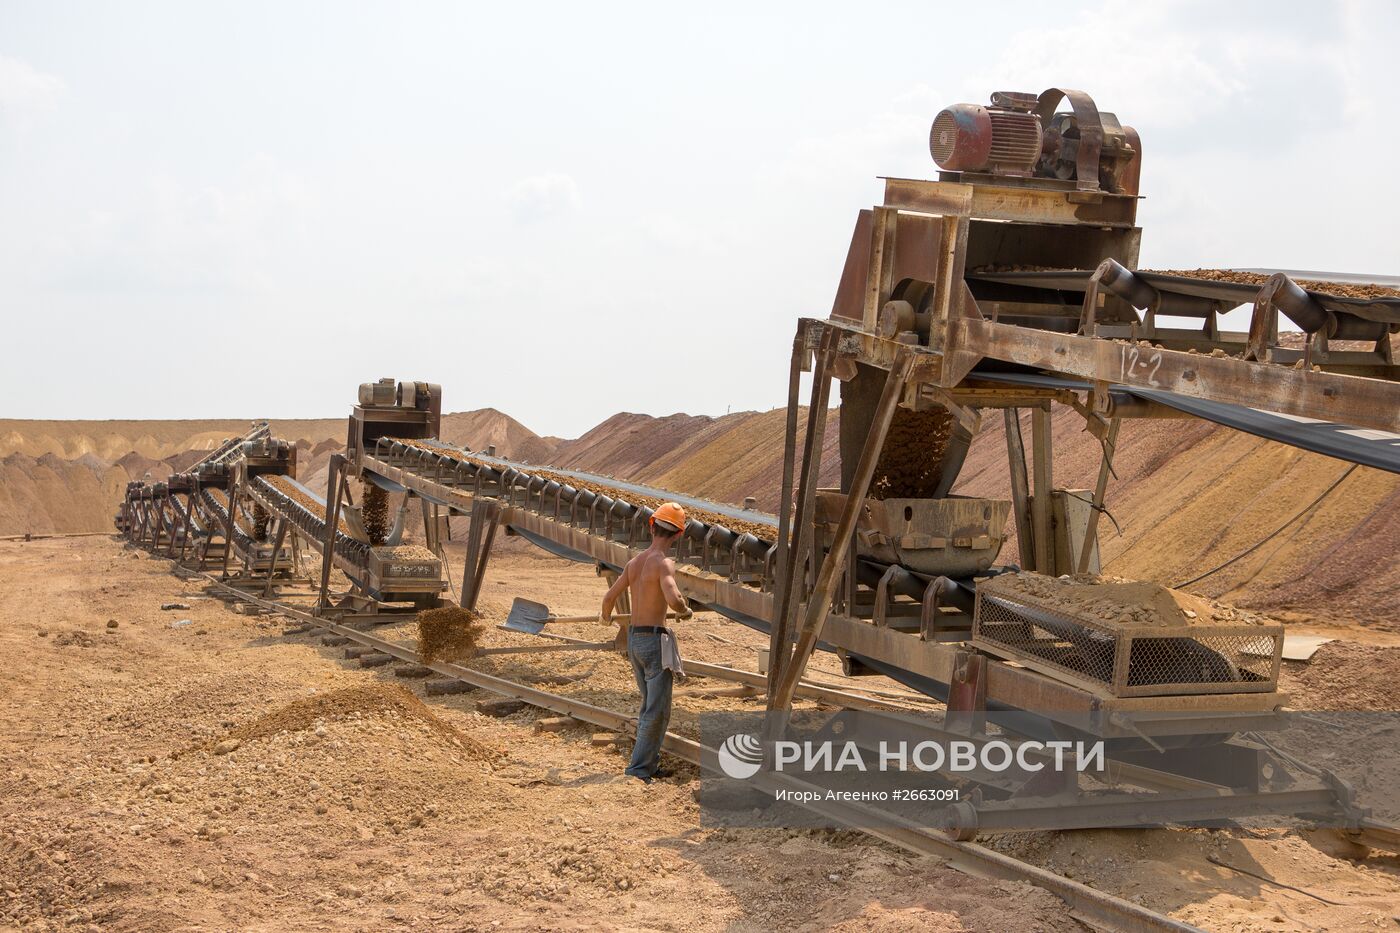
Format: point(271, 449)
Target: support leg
point(335, 482)
point(1044, 483)
point(276, 550)
point(792, 547)
point(1020, 488)
point(1091, 531)
point(819, 602)
point(486, 515)
point(229, 523)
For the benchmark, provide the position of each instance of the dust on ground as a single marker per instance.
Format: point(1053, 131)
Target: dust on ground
point(221, 774)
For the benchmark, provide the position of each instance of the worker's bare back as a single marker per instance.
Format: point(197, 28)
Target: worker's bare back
point(651, 581)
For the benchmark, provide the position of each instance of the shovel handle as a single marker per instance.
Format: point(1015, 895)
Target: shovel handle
point(617, 617)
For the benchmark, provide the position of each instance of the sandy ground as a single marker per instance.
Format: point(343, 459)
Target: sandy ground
point(365, 812)
point(221, 775)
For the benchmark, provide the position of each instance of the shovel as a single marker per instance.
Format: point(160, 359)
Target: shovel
point(531, 617)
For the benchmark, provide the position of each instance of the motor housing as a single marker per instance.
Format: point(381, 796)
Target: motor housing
point(1024, 136)
point(974, 138)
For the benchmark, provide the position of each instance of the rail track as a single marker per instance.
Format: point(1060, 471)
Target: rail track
point(1096, 909)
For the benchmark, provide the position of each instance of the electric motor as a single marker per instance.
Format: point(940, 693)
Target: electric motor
point(974, 138)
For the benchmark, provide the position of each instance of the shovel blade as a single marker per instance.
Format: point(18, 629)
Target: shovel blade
point(527, 616)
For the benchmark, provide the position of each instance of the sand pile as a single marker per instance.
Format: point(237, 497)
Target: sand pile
point(488, 427)
point(1190, 495)
point(741, 455)
point(448, 633)
point(76, 637)
point(370, 699)
point(1122, 602)
point(363, 759)
point(1344, 676)
point(406, 552)
point(1257, 279)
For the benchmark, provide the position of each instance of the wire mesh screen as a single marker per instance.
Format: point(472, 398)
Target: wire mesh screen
point(1137, 660)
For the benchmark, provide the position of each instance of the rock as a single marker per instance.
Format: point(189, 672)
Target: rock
point(168, 606)
point(111, 623)
point(226, 746)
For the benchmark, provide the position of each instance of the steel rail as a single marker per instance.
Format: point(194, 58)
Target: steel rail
point(1097, 909)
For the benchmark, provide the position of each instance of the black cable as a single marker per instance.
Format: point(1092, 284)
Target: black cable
point(1312, 505)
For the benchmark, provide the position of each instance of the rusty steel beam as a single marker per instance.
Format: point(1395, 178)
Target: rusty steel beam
point(1011, 202)
point(1326, 396)
point(819, 600)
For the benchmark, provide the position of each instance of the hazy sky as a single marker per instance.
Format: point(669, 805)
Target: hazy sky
point(563, 211)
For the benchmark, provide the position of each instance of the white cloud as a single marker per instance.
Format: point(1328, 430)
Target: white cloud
point(25, 88)
point(540, 196)
point(1147, 56)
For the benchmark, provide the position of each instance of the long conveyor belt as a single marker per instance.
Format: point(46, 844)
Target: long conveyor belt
point(724, 569)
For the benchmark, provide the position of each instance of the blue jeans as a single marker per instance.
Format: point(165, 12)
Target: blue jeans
point(654, 683)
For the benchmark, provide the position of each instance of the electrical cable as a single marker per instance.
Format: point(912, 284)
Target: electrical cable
point(1258, 544)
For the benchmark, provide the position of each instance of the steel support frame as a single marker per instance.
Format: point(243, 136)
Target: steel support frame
point(1006, 684)
point(818, 603)
point(485, 517)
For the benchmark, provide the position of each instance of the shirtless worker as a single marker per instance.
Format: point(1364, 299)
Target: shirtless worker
point(650, 578)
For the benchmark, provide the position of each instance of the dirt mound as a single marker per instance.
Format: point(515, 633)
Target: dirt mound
point(488, 427)
point(1190, 496)
point(49, 494)
point(1344, 676)
point(351, 702)
point(77, 637)
point(1124, 602)
point(637, 446)
point(447, 634)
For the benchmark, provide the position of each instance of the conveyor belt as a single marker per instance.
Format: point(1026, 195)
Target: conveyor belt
point(1384, 309)
point(1368, 447)
point(691, 502)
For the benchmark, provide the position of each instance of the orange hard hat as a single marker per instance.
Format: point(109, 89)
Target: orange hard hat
point(671, 513)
